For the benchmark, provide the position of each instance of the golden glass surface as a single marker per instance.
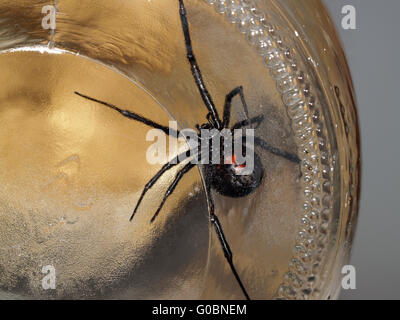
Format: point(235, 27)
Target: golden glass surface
point(71, 170)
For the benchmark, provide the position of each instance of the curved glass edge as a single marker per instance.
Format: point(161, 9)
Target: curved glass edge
point(301, 49)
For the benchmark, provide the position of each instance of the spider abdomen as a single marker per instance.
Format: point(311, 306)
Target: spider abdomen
point(224, 178)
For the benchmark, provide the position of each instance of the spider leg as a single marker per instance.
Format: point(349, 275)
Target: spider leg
point(228, 104)
point(224, 243)
point(169, 165)
point(263, 144)
point(257, 119)
point(205, 95)
point(172, 187)
point(287, 155)
point(133, 116)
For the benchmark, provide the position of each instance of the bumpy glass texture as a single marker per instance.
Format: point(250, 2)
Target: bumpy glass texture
point(72, 170)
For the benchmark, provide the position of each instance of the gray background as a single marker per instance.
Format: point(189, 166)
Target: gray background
point(373, 55)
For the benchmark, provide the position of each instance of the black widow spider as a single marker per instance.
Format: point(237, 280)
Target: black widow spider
point(222, 178)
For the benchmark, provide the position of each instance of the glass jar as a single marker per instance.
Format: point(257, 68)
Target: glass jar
point(72, 170)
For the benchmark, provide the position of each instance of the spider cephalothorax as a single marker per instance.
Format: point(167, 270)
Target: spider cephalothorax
point(225, 177)
point(232, 167)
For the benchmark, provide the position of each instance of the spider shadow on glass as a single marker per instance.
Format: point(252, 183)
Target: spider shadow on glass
point(223, 177)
